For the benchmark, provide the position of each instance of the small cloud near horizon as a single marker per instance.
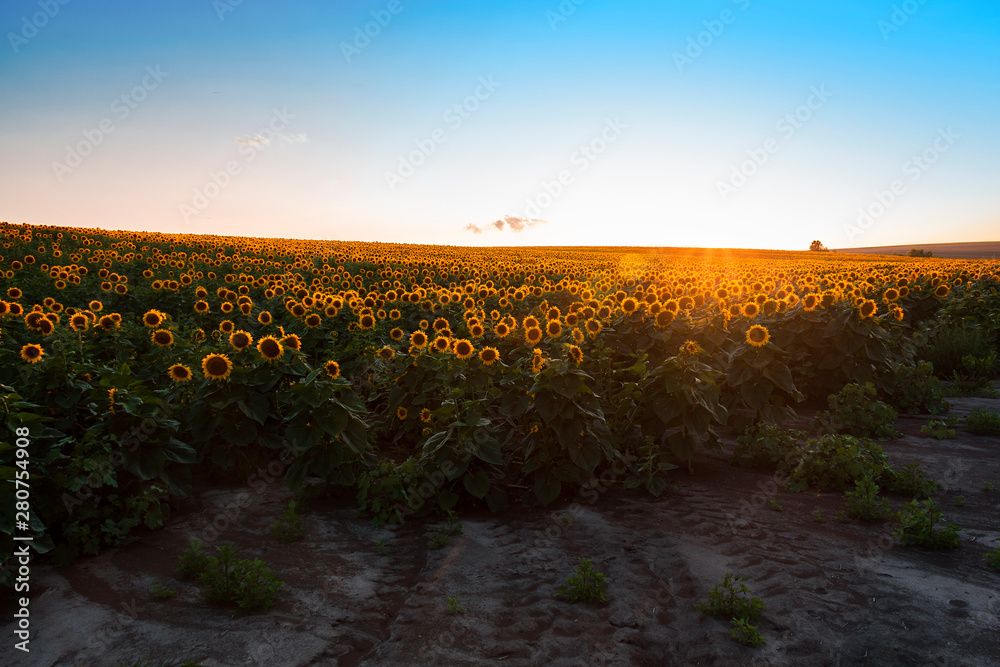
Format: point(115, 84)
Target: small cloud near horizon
point(511, 222)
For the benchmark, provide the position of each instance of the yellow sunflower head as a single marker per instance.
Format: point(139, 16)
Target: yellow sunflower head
point(575, 353)
point(386, 353)
point(240, 340)
point(463, 349)
point(489, 355)
point(153, 319)
point(758, 336)
point(162, 337)
point(867, 309)
point(332, 369)
point(270, 348)
point(216, 366)
point(32, 353)
point(179, 373)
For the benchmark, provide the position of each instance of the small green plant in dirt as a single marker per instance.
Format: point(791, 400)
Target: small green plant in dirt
point(767, 445)
point(586, 584)
point(383, 550)
point(938, 429)
point(918, 520)
point(746, 634)
point(454, 607)
point(988, 486)
point(732, 599)
point(854, 410)
point(193, 561)
point(913, 481)
point(983, 422)
point(226, 578)
point(452, 525)
point(975, 374)
point(916, 390)
point(836, 462)
point(817, 516)
point(775, 505)
point(289, 527)
point(161, 592)
point(864, 502)
point(958, 501)
point(992, 558)
point(439, 538)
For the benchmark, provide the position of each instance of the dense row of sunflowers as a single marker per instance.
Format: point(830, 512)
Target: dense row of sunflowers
point(136, 357)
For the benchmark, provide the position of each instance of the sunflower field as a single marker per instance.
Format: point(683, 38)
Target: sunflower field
point(420, 377)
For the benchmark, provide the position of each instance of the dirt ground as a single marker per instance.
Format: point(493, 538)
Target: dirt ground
point(836, 592)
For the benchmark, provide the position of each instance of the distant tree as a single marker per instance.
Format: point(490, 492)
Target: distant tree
point(817, 246)
point(920, 252)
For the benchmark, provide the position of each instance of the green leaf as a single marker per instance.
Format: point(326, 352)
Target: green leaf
point(477, 485)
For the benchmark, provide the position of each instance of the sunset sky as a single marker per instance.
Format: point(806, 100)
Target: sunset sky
point(725, 123)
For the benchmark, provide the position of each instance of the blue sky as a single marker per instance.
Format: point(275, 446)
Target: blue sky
point(728, 124)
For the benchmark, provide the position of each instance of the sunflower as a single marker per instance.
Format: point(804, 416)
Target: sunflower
point(578, 336)
point(867, 308)
point(32, 353)
point(890, 295)
point(179, 373)
point(46, 326)
point(810, 302)
point(366, 321)
point(532, 335)
point(264, 318)
point(393, 314)
point(95, 306)
point(401, 413)
point(153, 318)
point(463, 349)
point(426, 416)
point(386, 353)
point(270, 348)
point(941, 291)
point(897, 312)
point(227, 326)
point(332, 369)
point(440, 324)
point(79, 322)
point(691, 347)
point(575, 353)
point(629, 305)
point(162, 337)
point(476, 331)
point(396, 334)
point(663, 319)
point(750, 309)
point(488, 355)
point(313, 320)
point(108, 323)
point(552, 313)
point(121, 289)
point(216, 366)
point(14, 293)
point(501, 330)
point(530, 323)
point(757, 336)
point(418, 339)
point(292, 341)
point(240, 340)
point(553, 328)
point(201, 306)
point(441, 343)
point(537, 362)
